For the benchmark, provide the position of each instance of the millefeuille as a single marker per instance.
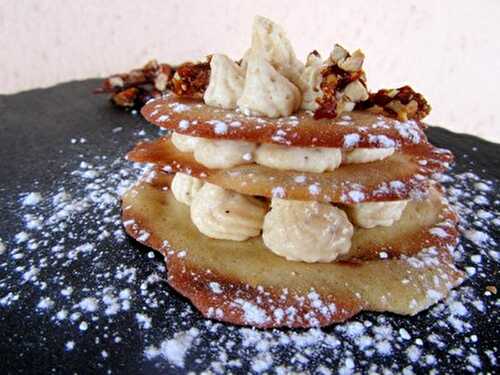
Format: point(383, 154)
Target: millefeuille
point(288, 194)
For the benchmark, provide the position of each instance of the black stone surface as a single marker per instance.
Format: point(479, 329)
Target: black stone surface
point(36, 128)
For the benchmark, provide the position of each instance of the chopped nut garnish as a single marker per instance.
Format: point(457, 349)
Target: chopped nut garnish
point(135, 88)
point(402, 103)
point(343, 84)
point(345, 61)
point(145, 75)
point(492, 289)
point(342, 88)
point(191, 80)
point(126, 98)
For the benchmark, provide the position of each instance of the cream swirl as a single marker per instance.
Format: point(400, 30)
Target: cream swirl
point(266, 91)
point(366, 155)
point(312, 80)
point(307, 231)
point(270, 41)
point(303, 159)
point(184, 143)
point(226, 82)
point(226, 215)
point(221, 154)
point(184, 187)
point(373, 214)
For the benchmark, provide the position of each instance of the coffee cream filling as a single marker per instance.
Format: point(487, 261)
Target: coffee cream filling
point(288, 227)
point(223, 214)
point(373, 214)
point(222, 154)
point(226, 82)
point(304, 159)
point(306, 231)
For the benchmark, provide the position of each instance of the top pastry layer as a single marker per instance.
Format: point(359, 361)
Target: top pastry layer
point(353, 130)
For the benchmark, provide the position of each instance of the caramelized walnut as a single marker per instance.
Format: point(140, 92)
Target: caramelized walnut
point(343, 83)
point(402, 103)
point(151, 73)
point(191, 79)
point(135, 88)
point(125, 98)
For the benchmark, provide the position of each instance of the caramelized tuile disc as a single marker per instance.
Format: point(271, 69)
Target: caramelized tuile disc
point(244, 283)
point(353, 129)
point(400, 176)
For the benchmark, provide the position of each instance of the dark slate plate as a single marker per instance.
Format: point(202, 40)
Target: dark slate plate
point(76, 295)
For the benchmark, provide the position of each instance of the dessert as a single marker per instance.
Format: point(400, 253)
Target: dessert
point(288, 194)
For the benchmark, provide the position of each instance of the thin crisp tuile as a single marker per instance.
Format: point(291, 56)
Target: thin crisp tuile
point(318, 294)
point(398, 177)
point(198, 119)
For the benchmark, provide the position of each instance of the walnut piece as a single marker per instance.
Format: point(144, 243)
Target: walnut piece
point(402, 103)
point(345, 61)
point(126, 98)
point(343, 83)
point(135, 88)
point(191, 79)
point(148, 74)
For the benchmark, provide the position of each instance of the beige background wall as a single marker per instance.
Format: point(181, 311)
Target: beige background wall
point(448, 50)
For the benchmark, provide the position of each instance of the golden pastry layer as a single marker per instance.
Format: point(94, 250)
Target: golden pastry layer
point(245, 283)
point(352, 130)
point(399, 176)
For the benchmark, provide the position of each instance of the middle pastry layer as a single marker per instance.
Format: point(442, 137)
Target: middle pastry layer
point(398, 177)
point(313, 231)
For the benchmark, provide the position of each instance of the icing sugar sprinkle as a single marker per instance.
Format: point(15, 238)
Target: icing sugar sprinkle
point(300, 179)
point(278, 192)
point(32, 199)
point(183, 124)
point(220, 127)
point(179, 107)
point(253, 314)
point(351, 140)
point(314, 189)
point(356, 196)
point(93, 286)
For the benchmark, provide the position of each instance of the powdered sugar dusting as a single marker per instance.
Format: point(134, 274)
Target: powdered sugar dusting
point(66, 261)
point(32, 199)
point(220, 127)
point(351, 140)
point(278, 192)
point(174, 350)
point(252, 313)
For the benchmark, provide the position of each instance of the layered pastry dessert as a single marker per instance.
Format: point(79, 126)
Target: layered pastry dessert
point(286, 193)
